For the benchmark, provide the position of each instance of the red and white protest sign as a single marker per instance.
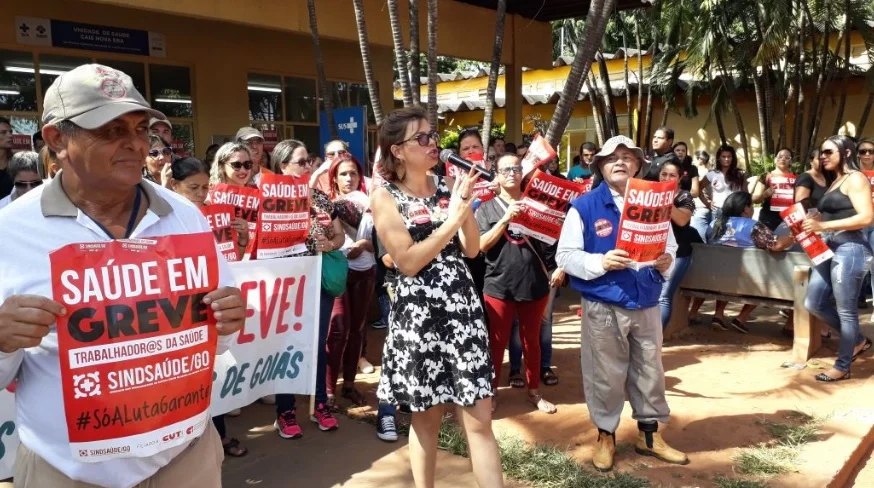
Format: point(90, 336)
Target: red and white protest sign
point(219, 216)
point(539, 153)
point(870, 176)
point(21, 142)
point(246, 202)
point(284, 218)
point(646, 219)
point(482, 189)
point(179, 148)
point(784, 191)
point(587, 184)
point(812, 243)
point(271, 138)
point(546, 198)
point(137, 343)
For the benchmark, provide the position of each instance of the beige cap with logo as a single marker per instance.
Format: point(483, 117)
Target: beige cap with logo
point(91, 96)
point(246, 133)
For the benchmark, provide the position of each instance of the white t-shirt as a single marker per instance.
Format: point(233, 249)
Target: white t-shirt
point(44, 220)
point(365, 260)
point(721, 188)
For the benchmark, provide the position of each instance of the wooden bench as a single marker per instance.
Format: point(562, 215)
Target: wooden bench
point(755, 277)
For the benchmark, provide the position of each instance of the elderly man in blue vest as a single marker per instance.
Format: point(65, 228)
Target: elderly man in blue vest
point(621, 350)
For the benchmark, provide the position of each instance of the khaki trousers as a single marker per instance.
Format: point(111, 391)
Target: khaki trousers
point(621, 354)
point(198, 466)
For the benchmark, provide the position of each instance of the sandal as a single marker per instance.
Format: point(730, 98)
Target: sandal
point(824, 378)
point(354, 396)
point(233, 448)
point(516, 380)
point(541, 404)
point(548, 377)
point(864, 349)
point(718, 324)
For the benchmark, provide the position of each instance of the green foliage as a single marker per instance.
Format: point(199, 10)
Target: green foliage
point(780, 455)
point(449, 139)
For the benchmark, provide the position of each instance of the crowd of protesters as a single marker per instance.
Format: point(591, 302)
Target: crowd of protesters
point(453, 290)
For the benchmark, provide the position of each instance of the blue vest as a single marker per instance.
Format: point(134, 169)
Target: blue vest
point(738, 233)
point(627, 288)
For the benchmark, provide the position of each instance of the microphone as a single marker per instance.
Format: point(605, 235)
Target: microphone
point(447, 156)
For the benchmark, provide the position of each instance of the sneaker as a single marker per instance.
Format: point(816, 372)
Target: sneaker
point(385, 428)
point(379, 324)
point(323, 417)
point(286, 425)
point(234, 413)
point(268, 399)
point(364, 366)
point(739, 326)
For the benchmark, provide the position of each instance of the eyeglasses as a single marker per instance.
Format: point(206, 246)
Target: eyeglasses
point(423, 139)
point(341, 152)
point(27, 184)
point(512, 169)
point(625, 158)
point(238, 165)
point(866, 152)
point(253, 142)
point(155, 153)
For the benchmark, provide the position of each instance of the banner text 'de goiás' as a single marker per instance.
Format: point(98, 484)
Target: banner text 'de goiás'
point(646, 219)
point(137, 343)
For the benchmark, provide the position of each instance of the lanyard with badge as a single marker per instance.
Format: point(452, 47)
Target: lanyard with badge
point(132, 221)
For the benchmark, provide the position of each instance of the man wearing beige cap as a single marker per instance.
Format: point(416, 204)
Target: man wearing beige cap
point(162, 128)
point(254, 140)
point(621, 347)
point(98, 125)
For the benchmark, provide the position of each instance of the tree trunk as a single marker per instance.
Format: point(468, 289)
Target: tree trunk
point(839, 116)
point(863, 121)
point(761, 103)
point(415, 62)
point(817, 102)
point(320, 69)
point(637, 134)
point(500, 15)
point(599, 111)
point(400, 53)
point(611, 127)
point(798, 83)
point(596, 112)
point(372, 88)
point(720, 127)
point(432, 63)
point(647, 133)
point(629, 113)
point(593, 33)
point(738, 119)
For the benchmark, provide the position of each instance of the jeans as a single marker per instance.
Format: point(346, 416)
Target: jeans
point(386, 409)
point(287, 401)
point(545, 338)
point(219, 422)
point(666, 300)
point(384, 302)
point(834, 290)
point(869, 234)
point(701, 221)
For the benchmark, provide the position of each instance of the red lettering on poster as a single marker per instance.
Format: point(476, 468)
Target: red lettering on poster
point(482, 189)
point(784, 191)
point(246, 202)
point(219, 216)
point(546, 198)
point(137, 344)
point(810, 242)
point(284, 218)
point(646, 219)
point(539, 153)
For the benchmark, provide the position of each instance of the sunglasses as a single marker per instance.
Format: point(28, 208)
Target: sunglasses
point(303, 162)
point(155, 153)
point(866, 152)
point(238, 165)
point(27, 184)
point(422, 139)
point(341, 152)
point(825, 153)
point(510, 170)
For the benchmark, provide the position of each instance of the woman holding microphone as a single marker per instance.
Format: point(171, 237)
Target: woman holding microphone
point(437, 349)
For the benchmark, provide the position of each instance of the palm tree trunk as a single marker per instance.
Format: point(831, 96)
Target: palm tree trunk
point(798, 83)
point(863, 120)
point(372, 88)
point(611, 124)
point(720, 127)
point(593, 33)
point(628, 111)
point(647, 134)
point(432, 63)
point(500, 15)
point(415, 64)
point(400, 53)
point(596, 112)
point(817, 103)
point(738, 119)
point(327, 98)
point(839, 116)
point(637, 134)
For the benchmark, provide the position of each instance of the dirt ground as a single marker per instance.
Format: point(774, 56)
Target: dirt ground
point(721, 387)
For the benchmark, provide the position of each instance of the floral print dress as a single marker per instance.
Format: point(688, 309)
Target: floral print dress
point(437, 347)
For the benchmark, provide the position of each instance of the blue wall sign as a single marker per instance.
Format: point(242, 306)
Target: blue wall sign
point(91, 37)
point(351, 125)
